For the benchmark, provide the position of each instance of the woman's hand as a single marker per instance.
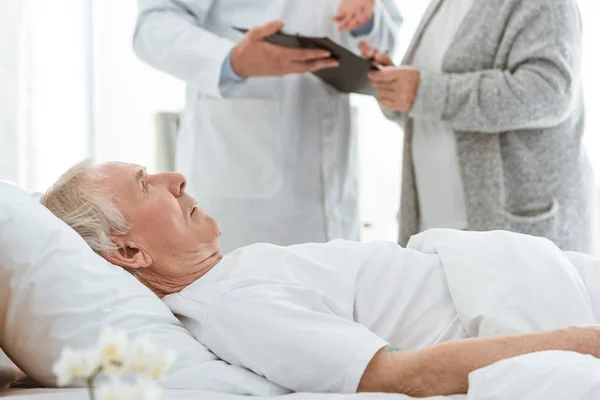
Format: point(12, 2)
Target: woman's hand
point(372, 53)
point(396, 87)
point(353, 14)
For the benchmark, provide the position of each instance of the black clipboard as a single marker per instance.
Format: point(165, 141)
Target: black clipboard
point(352, 74)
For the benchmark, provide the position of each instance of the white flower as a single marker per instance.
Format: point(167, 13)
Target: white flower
point(163, 364)
point(116, 389)
point(75, 365)
point(113, 351)
point(148, 390)
point(147, 360)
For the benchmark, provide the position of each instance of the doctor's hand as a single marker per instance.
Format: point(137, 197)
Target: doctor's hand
point(377, 57)
point(353, 14)
point(396, 87)
point(254, 56)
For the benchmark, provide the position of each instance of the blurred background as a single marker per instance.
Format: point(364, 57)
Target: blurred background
point(83, 93)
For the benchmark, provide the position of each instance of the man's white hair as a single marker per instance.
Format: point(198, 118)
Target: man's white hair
point(77, 198)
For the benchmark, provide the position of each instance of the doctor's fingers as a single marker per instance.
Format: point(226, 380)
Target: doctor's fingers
point(260, 32)
point(361, 17)
point(354, 20)
point(347, 22)
point(313, 65)
point(298, 55)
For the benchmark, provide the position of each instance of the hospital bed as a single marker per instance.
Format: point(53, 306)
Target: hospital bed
point(51, 282)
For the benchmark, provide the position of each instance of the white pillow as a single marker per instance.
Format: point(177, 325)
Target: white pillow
point(55, 291)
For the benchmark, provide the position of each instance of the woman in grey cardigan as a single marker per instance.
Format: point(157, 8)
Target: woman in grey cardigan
point(491, 102)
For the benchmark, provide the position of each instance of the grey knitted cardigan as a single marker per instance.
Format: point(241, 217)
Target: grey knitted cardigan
point(511, 90)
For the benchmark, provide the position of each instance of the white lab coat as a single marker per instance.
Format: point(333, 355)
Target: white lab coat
point(273, 159)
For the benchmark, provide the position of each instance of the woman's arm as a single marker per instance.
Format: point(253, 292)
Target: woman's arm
point(536, 90)
point(444, 369)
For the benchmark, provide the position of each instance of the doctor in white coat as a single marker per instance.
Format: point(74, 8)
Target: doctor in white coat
point(268, 148)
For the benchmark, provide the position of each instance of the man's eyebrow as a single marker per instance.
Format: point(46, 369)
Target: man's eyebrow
point(141, 174)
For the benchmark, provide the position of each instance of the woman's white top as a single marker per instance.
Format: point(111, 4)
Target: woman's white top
point(436, 165)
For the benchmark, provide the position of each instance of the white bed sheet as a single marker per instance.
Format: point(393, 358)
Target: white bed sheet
point(550, 375)
point(81, 394)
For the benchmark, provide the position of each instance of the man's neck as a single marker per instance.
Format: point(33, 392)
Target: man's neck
point(165, 285)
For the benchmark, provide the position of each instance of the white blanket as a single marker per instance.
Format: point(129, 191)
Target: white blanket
point(504, 282)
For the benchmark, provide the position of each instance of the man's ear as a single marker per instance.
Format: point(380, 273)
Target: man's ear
point(127, 254)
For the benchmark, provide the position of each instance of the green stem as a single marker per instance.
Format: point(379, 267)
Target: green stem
point(90, 383)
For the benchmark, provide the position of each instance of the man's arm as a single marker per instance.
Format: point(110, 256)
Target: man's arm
point(291, 335)
point(171, 37)
point(444, 369)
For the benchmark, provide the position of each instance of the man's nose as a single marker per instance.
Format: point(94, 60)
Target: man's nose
point(176, 183)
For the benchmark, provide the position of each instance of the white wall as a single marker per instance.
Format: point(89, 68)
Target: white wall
point(380, 144)
point(590, 9)
point(127, 93)
point(54, 96)
point(10, 32)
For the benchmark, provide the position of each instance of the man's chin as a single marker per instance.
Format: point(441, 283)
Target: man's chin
point(217, 227)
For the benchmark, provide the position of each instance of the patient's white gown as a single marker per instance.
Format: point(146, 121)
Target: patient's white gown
point(310, 317)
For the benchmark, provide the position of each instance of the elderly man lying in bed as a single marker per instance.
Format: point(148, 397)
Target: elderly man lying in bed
point(335, 317)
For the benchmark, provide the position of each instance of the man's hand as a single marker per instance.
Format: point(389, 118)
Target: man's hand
point(254, 56)
point(444, 369)
point(8, 376)
point(372, 53)
point(396, 87)
point(353, 14)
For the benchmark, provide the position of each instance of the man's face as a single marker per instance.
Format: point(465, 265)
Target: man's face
point(165, 222)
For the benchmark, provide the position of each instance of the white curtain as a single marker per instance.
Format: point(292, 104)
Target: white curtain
point(10, 36)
